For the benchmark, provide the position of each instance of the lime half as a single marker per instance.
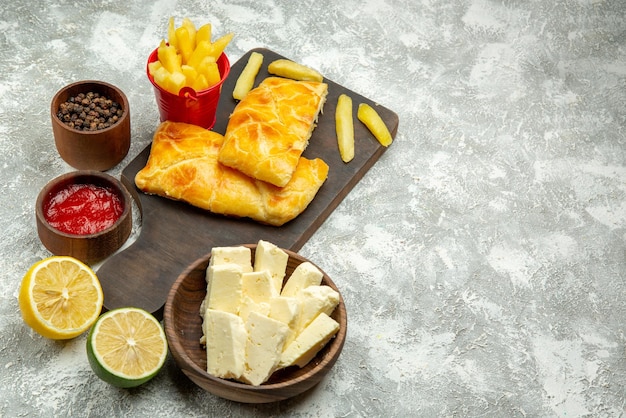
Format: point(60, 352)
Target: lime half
point(126, 347)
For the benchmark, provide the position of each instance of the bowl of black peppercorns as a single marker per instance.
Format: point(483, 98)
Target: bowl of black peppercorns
point(91, 125)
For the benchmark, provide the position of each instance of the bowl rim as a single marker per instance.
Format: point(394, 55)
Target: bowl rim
point(265, 387)
point(64, 179)
point(56, 100)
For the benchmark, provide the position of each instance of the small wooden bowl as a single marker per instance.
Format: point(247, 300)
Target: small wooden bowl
point(88, 248)
point(183, 327)
point(91, 150)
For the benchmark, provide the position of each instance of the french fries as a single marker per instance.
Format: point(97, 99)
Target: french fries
point(374, 123)
point(188, 58)
point(246, 78)
point(290, 69)
point(344, 127)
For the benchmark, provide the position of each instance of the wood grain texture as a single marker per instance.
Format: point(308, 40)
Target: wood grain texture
point(183, 327)
point(174, 234)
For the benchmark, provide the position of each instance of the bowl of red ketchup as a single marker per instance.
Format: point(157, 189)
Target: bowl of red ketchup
point(84, 214)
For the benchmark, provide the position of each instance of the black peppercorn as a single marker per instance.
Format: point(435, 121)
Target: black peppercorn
point(89, 111)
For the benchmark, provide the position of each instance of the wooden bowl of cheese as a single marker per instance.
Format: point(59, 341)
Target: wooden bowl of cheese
point(251, 369)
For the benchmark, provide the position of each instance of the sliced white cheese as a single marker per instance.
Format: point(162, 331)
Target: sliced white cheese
point(224, 288)
point(310, 341)
point(249, 305)
point(240, 255)
point(315, 300)
point(258, 286)
point(271, 258)
point(226, 338)
point(202, 312)
point(287, 311)
point(266, 338)
point(305, 275)
point(250, 327)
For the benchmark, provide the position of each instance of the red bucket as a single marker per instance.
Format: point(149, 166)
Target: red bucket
point(197, 108)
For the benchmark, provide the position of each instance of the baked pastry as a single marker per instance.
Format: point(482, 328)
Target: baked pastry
point(183, 166)
point(270, 128)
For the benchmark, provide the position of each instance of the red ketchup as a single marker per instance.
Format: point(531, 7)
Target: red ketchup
point(82, 209)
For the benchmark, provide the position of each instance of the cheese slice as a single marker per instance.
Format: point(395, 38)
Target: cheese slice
point(226, 338)
point(224, 288)
point(287, 311)
point(249, 305)
point(258, 285)
point(265, 342)
point(305, 275)
point(312, 339)
point(315, 300)
point(239, 255)
point(271, 258)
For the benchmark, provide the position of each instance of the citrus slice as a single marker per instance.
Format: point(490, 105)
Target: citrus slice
point(126, 347)
point(60, 297)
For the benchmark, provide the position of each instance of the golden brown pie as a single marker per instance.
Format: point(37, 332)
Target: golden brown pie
point(183, 166)
point(270, 128)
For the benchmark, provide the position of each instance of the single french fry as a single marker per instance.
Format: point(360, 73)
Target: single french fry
point(213, 74)
point(191, 74)
point(203, 34)
point(200, 83)
point(220, 44)
point(202, 50)
point(185, 45)
point(290, 69)
point(171, 33)
point(160, 75)
point(171, 82)
point(344, 127)
point(246, 78)
point(202, 67)
point(191, 30)
point(168, 57)
point(209, 68)
point(154, 66)
point(375, 124)
point(177, 81)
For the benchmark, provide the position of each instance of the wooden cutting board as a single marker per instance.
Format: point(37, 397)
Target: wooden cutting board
point(174, 234)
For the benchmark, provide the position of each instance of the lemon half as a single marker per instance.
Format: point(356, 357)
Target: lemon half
point(60, 297)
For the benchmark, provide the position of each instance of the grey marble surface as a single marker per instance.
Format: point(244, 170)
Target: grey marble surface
point(482, 259)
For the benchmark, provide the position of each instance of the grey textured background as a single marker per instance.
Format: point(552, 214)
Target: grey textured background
point(482, 259)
